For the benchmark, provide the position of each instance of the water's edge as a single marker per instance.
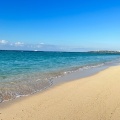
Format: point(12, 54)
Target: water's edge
point(63, 79)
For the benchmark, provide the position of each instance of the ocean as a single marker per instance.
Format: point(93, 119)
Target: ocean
point(26, 72)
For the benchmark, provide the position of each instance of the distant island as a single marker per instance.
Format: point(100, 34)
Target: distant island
point(104, 51)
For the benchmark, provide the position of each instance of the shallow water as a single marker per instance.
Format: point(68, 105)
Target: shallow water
point(26, 72)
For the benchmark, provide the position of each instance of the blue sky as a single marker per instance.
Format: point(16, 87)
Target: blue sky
point(66, 24)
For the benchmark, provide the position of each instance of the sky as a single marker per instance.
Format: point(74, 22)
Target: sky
point(68, 25)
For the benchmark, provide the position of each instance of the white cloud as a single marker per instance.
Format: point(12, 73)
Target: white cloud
point(19, 44)
point(3, 41)
point(6, 45)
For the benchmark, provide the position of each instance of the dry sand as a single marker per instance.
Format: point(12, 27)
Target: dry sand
point(93, 98)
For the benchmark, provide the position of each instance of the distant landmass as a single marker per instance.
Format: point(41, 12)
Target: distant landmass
point(104, 51)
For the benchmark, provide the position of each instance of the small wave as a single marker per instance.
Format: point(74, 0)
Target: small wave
point(37, 82)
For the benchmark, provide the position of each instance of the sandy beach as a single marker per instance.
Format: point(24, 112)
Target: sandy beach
point(92, 98)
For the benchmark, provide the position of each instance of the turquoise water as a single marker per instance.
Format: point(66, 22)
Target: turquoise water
point(25, 72)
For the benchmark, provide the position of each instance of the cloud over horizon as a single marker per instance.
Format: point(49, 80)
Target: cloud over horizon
point(6, 45)
point(3, 41)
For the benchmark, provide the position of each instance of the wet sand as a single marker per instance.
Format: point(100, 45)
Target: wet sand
point(92, 98)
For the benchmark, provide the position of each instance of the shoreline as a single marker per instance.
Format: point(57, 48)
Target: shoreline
point(94, 97)
point(77, 74)
point(72, 76)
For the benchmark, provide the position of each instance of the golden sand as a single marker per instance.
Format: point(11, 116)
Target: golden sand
point(93, 98)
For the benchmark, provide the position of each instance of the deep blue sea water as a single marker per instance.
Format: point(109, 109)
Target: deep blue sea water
point(26, 72)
